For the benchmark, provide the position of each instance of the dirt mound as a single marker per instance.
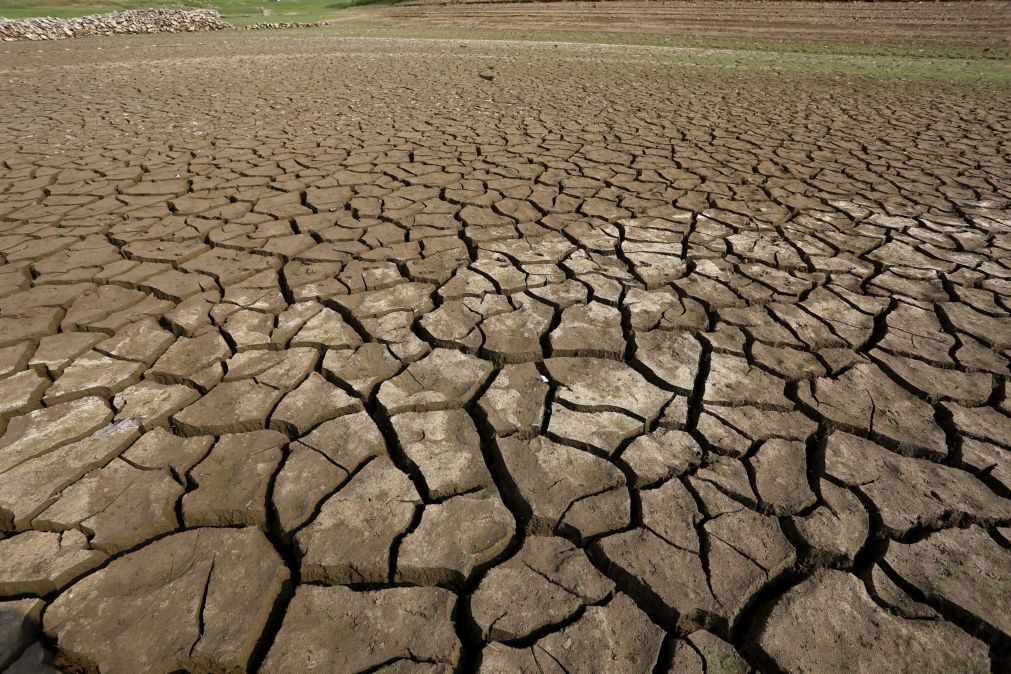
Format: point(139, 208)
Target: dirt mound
point(132, 21)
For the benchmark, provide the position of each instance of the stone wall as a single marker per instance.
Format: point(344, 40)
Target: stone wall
point(132, 21)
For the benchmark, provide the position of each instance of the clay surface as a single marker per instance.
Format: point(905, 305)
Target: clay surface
point(392, 355)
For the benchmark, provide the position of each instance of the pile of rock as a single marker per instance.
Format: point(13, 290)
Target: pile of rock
point(283, 24)
point(131, 21)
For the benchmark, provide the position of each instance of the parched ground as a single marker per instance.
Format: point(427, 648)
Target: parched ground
point(987, 22)
point(389, 355)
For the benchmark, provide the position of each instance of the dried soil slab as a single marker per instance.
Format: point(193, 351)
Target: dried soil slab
point(446, 447)
point(988, 459)
point(160, 449)
point(35, 660)
point(916, 330)
point(444, 379)
point(230, 407)
point(725, 436)
point(29, 485)
point(515, 337)
point(910, 493)
point(995, 331)
point(592, 329)
point(595, 384)
point(781, 476)
point(396, 331)
point(828, 623)
point(247, 329)
point(26, 324)
point(321, 461)
point(109, 308)
point(703, 651)
point(728, 476)
point(754, 424)
point(965, 568)
point(180, 285)
point(291, 319)
point(454, 538)
point(14, 358)
point(455, 324)
point(306, 478)
point(498, 658)
point(865, 398)
point(198, 599)
point(982, 423)
point(515, 401)
point(745, 552)
point(734, 381)
point(602, 431)
point(34, 434)
point(350, 540)
point(142, 341)
point(21, 392)
point(896, 599)
point(283, 370)
point(94, 373)
point(314, 401)
point(413, 297)
point(39, 563)
point(617, 638)
point(661, 455)
point(675, 575)
point(655, 269)
point(967, 388)
point(670, 512)
point(151, 404)
point(232, 481)
point(336, 629)
point(566, 488)
point(791, 364)
point(119, 505)
point(229, 266)
point(19, 626)
point(364, 368)
point(656, 310)
point(327, 329)
point(196, 360)
point(545, 583)
point(835, 531)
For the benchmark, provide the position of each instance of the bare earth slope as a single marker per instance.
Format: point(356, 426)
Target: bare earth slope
point(421, 356)
point(986, 23)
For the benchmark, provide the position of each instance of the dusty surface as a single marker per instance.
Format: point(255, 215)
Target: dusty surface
point(417, 357)
point(984, 23)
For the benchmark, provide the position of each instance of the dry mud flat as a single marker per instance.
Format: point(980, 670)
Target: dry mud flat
point(985, 23)
point(322, 355)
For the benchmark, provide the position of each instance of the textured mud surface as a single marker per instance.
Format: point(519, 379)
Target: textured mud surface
point(987, 23)
point(420, 357)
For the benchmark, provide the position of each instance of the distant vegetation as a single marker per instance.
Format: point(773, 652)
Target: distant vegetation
point(233, 11)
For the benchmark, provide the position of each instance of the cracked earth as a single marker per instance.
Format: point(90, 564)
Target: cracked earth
point(324, 355)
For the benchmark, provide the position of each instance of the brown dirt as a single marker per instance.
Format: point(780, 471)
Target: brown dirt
point(974, 23)
point(403, 355)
